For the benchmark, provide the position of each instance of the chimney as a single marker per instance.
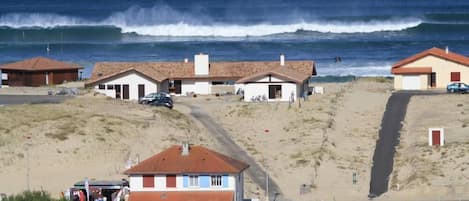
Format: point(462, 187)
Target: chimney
point(185, 149)
point(201, 64)
point(186, 60)
point(447, 50)
point(282, 59)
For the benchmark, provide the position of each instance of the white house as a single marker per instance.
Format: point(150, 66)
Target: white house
point(187, 173)
point(132, 80)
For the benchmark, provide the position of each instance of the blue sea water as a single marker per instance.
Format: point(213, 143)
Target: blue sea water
point(368, 35)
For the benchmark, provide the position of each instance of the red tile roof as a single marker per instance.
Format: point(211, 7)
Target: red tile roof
point(199, 160)
point(451, 56)
point(39, 64)
point(412, 70)
point(282, 72)
point(182, 70)
point(182, 196)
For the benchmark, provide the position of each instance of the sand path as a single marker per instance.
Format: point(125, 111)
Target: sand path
point(255, 172)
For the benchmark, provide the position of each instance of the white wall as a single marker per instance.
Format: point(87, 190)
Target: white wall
point(201, 87)
point(255, 89)
point(133, 80)
point(135, 182)
point(201, 64)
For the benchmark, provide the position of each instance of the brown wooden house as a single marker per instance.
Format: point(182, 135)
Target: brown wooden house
point(39, 71)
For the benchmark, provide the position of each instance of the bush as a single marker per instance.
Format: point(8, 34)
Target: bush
point(32, 196)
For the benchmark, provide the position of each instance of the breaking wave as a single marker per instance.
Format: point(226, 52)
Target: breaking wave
point(185, 27)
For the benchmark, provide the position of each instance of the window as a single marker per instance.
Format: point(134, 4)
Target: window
point(170, 181)
point(275, 91)
point(193, 181)
point(148, 181)
point(216, 181)
point(455, 76)
point(101, 86)
point(110, 87)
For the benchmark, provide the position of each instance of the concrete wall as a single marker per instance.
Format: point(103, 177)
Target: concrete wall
point(133, 80)
point(441, 67)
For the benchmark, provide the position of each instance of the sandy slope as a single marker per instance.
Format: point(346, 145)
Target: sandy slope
point(423, 171)
point(320, 144)
point(84, 137)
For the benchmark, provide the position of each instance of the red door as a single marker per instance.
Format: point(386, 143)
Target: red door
point(436, 138)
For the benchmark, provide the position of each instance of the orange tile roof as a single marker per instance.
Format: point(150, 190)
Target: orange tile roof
point(182, 70)
point(282, 72)
point(182, 196)
point(199, 160)
point(39, 64)
point(437, 52)
point(412, 70)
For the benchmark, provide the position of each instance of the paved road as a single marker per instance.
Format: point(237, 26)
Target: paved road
point(391, 124)
point(30, 99)
point(255, 172)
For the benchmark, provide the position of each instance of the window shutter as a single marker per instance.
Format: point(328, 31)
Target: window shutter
point(455, 76)
point(225, 181)
point(185, 181)
point(148, 181)
point(171, 181)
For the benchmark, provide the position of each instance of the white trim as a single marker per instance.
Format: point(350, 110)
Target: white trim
point(442, 136)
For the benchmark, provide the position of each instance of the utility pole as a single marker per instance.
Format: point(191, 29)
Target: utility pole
point(266, 186)
point(28, 170)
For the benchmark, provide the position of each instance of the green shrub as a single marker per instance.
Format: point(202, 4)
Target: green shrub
point(32, 196)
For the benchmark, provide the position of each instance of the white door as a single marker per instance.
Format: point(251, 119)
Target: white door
point(411, 82)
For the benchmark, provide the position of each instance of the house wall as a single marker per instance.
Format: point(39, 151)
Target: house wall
point(229, 183)
point(441, 67)
point(255, 89)
point(199, 86)
point(133, 80)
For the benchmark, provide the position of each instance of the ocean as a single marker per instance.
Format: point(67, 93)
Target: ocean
point(368, 35)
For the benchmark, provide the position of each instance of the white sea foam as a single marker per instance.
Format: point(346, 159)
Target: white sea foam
point(156, 28)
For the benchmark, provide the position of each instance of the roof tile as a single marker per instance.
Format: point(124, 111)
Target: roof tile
point(39, 64)
point(199, 160)
point(461, 59)
point(181, 70)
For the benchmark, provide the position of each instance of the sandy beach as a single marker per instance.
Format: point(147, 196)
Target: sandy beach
point(317, 144)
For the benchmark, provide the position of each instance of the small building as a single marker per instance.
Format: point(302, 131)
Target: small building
point(38, 71)
point(187, 173)
point(133, 80)
point(432, 68)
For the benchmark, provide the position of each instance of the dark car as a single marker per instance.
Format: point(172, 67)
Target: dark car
point(162, 101)
point(457, 87)
point(152, 97)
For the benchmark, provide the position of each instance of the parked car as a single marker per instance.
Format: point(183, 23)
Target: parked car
point(152, 97)
point(457, 87)
point(163, 101)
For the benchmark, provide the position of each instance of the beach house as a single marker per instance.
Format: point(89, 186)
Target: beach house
point(187, 173)
point(38, 71)
point(432, 68)
point(275, 80)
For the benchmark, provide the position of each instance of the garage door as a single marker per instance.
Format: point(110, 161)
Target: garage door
point(411, 82)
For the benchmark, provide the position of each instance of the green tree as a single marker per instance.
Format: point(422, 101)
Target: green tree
point(32, 196)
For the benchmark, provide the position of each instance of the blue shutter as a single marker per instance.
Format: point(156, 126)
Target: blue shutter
point(224, 181)
point(185, 181)
point(204, 181)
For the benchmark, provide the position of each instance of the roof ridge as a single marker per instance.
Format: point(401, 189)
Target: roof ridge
point(36, 60)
